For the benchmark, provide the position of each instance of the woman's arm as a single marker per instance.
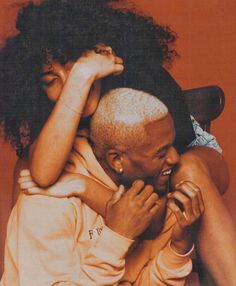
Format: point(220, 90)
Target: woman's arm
point(49, 152)
point(51, 149)
point(88, 190)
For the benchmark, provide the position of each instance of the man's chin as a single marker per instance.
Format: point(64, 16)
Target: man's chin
point(161, 188)
point(156, 226)
point(151, 232)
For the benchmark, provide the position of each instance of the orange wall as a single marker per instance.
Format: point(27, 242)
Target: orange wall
point(207, 45)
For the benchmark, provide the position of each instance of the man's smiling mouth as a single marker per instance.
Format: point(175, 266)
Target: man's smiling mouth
point(166, 172)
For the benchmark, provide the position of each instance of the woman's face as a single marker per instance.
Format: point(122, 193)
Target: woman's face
point(54, 76)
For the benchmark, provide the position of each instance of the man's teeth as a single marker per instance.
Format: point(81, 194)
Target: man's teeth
point(166, 173)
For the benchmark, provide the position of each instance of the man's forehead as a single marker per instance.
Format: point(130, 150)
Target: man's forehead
point(159, 135)
point(161, 125)
point(161, 132)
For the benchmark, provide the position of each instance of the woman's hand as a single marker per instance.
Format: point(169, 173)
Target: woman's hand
point(69, 185)
point(98, 63)
point(187, 204)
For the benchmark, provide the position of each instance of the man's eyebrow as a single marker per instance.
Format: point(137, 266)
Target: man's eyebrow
point(163, 148)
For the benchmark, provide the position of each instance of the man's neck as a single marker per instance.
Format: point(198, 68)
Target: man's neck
point(109, 171)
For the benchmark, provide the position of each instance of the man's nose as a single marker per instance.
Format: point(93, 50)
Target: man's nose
point(173, 156)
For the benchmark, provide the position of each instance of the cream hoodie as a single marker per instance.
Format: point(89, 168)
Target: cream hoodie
point(62, 242)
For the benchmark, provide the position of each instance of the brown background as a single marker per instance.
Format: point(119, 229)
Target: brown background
point(207, 45)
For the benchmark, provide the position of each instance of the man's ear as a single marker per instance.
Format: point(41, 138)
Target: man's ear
point(114, 160)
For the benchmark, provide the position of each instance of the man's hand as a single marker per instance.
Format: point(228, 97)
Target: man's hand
point(129, 213)
point(187, 204)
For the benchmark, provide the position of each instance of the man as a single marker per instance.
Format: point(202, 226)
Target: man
point(63, 242)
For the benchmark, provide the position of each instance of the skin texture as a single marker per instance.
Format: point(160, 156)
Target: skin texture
point(217, 235)
point(146, 162)
point(63, 30)
point(196, 162)
point(216, 181)
point(149, 162)
point(216, 170)
point(75, 88)
point(139, 202)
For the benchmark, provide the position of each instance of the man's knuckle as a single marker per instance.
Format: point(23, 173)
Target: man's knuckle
point(139, 203)
point(186, 201)
point(192, 195)
point(154, 196)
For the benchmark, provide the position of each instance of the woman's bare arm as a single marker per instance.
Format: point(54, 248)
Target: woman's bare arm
point(51, 149)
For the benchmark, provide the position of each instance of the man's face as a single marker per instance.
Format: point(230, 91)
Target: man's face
point(153, 162)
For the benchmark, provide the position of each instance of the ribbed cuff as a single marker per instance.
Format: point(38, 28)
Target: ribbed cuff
point(172, 259)
point(178, 254)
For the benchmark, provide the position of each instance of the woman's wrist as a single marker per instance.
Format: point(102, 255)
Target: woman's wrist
point(181, 247)
point(69, 106)
point(75, 92)
point(83, 72)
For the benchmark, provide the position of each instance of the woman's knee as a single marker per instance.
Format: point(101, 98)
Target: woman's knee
point(200, 164)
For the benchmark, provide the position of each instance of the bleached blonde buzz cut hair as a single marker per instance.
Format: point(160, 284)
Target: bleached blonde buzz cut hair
point(120, 119)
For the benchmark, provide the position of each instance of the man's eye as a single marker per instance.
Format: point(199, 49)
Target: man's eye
point(161, 155)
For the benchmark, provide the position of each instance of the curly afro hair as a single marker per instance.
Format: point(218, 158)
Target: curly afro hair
point(64, 29)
